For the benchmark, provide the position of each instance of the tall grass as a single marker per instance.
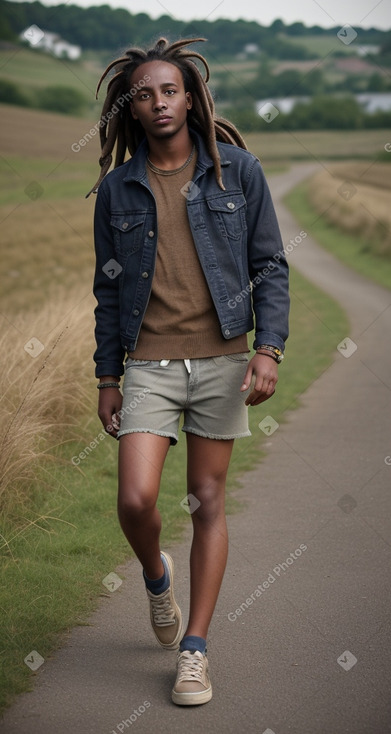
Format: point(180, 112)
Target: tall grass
point(44, 398)
point(356, 203)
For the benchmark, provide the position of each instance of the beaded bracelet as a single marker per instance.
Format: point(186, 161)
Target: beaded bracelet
point(101, 385)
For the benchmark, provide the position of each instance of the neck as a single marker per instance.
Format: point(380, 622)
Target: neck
point(170, 153)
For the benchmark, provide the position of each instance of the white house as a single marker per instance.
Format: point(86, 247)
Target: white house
point(50, 42)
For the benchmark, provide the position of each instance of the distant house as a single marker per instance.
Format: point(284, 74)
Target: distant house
point(365, 50)
point(50, 42)
point(371, 102)
point(251, 48)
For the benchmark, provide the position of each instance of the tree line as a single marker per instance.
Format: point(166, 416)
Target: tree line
point(105, 28)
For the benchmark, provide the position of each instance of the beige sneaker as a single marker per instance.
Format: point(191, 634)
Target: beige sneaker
point(166, 617)
point(192, 685)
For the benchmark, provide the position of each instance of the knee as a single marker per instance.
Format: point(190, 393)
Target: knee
point(134, 503)
point(211, 496)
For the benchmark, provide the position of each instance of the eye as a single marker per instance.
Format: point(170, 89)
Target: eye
point(170, 91)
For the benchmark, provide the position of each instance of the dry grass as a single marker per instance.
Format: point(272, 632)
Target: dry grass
point(49, 250)
point(46, 272)
point(356, 198)
point(46, 400)
point(36, 133)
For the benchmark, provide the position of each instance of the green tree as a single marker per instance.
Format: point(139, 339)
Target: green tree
point(327, 113)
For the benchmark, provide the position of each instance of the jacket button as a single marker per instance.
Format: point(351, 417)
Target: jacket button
point(151, 233)
point(227, 332)
point(136, 312)
point(125, 225)
point(145, 275)
point(231, 205)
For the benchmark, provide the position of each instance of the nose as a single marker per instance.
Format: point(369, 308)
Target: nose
point(160, 103)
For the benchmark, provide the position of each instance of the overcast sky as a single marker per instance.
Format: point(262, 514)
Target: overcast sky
point(365, 13)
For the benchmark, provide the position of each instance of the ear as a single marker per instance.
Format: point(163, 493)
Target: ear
point(132, 112)
point(189, 100)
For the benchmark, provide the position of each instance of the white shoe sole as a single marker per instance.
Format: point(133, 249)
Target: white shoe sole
point(191, 699)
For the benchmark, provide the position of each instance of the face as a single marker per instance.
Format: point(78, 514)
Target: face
point(161, 105)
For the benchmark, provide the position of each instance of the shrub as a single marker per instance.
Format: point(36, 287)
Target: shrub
point(67, 100)
point(11, 94)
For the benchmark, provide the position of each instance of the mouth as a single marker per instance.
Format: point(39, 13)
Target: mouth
point(162, 119)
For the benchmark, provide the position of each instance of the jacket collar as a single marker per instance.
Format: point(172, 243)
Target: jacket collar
point(136, 167)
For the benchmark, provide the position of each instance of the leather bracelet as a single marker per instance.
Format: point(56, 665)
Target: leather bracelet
point(101, 385)
point(272, 350)
point(268, 354)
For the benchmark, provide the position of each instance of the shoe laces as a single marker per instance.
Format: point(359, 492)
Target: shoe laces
point(190, 666)
point(162, 611)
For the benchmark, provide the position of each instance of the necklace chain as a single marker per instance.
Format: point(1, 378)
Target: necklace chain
point(162, 172)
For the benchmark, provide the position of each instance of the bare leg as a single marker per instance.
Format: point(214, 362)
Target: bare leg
point(207, 467)
point(141, 460)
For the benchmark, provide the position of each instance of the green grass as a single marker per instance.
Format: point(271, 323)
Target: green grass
point(317, 145)
point(33, 70)
point(59, 179)
point(354, 251)
point(56, 552)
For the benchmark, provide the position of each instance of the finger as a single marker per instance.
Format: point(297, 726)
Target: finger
point(247, 379)
point(115, 421)
point(111, 429)
point(262, 399)
point(259, 396)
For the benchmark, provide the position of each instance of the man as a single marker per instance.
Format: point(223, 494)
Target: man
point(188, 252)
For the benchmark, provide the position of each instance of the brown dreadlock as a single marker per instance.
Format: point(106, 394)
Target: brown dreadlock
point(118, 126)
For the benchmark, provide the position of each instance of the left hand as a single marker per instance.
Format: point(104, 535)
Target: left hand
point(266, 375)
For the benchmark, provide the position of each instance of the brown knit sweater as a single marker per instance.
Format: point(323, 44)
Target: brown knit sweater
point(180, 321)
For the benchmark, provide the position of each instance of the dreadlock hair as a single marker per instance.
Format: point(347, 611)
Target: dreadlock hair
point(117, 126)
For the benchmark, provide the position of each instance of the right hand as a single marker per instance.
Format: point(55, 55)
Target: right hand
point(110, 403)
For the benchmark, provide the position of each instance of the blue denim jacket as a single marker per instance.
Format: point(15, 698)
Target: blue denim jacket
point(236, 235)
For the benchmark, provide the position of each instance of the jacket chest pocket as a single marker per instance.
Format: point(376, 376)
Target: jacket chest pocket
point(127, 232)
point(230, 214)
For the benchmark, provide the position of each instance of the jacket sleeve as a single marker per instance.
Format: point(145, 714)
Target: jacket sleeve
point(267, 263)
point(109, 354)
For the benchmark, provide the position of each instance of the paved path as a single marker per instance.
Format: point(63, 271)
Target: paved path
point(316, 528)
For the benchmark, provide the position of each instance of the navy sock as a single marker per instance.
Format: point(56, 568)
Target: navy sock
point(157, 586)
point(193, 643)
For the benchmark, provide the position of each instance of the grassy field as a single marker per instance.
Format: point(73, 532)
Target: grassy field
point(357, 202)
point(318, 145)
point(356, 230)
point(32, 70)
point(60, 536)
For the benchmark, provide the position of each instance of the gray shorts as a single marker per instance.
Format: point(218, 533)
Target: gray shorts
point(206, 391)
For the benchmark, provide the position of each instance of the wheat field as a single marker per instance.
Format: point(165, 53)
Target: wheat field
point(356, 198)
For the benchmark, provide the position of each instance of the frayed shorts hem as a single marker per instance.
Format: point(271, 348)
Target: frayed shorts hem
point(174, 439)
point(216, 436)
point(166, 434)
